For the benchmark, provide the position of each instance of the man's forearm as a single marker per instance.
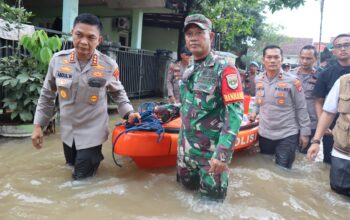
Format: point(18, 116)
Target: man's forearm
point(319, 106)
point(324, 122)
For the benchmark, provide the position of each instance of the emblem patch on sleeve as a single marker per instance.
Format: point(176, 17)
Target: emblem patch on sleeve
point(297, 84)
point(231, 86)
point(116, 73)
point(232, 80)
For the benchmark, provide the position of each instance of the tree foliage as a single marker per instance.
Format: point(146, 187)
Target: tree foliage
point(22, 75)
point(270, 36)
point(240, 22)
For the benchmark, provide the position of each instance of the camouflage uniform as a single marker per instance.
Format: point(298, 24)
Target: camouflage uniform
point(211, 115)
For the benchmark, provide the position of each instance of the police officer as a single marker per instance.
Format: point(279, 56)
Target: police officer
point(81, 77)
point(337, 101)
point(282, 109)
point(211, 113)
point(249, 82)
point(174, 75)
point(307, 75)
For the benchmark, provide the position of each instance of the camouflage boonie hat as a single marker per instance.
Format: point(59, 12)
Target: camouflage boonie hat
point(200, 20)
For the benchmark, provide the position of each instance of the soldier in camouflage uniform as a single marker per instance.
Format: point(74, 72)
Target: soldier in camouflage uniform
point(81, 77)
point(174, 75)
point(211, 114)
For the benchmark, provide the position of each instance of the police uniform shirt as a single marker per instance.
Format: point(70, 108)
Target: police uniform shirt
point(82, 97)
point(281, 105)
point(308, 81)
point(331, 106)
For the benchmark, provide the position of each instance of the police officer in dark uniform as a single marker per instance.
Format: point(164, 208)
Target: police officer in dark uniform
point(81, 77)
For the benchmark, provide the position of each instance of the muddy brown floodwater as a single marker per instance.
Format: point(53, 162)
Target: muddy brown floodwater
point(37, 185)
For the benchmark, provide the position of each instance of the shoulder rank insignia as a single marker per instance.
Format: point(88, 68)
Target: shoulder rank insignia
point(297, 84)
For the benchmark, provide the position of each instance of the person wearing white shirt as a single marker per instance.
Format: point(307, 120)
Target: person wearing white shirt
point(337, 101)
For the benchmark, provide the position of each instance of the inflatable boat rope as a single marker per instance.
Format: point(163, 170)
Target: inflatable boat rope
point(149, 122)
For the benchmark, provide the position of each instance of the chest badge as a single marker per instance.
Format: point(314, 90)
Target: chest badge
point(99, 67)
point(93, 98)
point(98, 74)
point(66, 69)
point(63, 94)
point(232, 81)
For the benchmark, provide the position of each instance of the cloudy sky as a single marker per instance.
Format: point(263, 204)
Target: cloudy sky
point(305, 21)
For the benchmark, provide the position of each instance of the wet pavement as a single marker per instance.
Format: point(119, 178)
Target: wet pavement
point(37, 185)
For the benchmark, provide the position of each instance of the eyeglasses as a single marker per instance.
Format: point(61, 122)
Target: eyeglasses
point(340, 46)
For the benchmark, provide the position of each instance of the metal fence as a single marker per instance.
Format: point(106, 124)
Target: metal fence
point(141, 71)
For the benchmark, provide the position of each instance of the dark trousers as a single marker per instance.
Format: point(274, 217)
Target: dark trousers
point(327, 148)
point(304, 151)
point(340, 176)
point(284, 149)
point(85, 161)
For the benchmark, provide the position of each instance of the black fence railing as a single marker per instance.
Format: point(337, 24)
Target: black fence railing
point(142, 72)
point(139, 70)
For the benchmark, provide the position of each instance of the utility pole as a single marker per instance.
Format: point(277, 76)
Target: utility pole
point(319, 41)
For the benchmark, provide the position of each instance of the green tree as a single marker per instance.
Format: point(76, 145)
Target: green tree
point(239, 22)
point(270, 36)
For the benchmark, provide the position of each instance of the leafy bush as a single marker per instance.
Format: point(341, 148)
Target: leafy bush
point(22, 84)
point(22, 76)
point(41, 47)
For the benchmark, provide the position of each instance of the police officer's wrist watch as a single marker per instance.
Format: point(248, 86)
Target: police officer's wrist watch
point(315, 141)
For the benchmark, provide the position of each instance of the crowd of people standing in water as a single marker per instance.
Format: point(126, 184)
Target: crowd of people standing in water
point(293, 106)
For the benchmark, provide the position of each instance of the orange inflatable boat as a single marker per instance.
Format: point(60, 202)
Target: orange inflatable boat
point(147, 153)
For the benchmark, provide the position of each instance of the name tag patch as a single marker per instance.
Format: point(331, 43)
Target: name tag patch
point(64, 75)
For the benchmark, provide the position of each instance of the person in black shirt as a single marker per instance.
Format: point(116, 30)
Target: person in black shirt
point(325, 81)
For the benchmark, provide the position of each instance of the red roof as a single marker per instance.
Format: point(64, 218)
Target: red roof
point(294, 46)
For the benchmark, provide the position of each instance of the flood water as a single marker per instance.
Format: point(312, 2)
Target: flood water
point(37, 185)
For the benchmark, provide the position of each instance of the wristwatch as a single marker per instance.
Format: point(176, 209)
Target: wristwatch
point(315, 141)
